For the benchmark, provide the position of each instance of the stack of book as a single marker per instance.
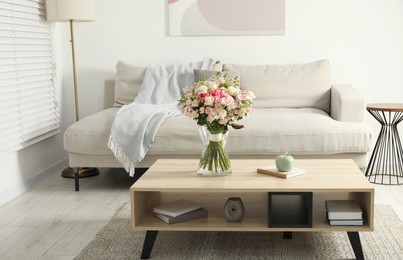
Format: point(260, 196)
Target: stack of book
point(344, 213)
point(180, 211)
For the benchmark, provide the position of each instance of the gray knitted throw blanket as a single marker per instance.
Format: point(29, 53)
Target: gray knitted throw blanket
point(135, 125)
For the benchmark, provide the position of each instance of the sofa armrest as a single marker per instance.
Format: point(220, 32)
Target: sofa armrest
point(347, 104)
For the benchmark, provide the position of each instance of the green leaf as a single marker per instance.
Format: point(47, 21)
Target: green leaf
point(237, 126)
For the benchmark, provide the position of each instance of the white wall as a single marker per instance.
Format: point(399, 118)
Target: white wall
point(22, 170)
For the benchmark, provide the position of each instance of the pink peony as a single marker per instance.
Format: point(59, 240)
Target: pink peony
point(202, 96)
point(195, 103)
point(194, 114)
point(229, 102)
point(218, 94)
point(208, 110)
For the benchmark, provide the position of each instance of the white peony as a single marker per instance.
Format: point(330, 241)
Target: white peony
point(222, 114)
point(233, 90)
point(202, 89)
point(209, 101)
point(212, 86)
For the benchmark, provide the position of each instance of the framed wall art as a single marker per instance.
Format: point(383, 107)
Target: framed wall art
point(226, 17)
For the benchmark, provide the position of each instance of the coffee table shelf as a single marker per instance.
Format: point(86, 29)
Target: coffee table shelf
point(256, 216)
point(169, 180)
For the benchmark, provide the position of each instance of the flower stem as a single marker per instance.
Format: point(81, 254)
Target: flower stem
point(215, 158)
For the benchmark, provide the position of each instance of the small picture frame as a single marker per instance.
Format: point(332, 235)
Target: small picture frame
point(290, 209)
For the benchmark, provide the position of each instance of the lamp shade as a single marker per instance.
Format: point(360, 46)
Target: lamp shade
point(66, 10)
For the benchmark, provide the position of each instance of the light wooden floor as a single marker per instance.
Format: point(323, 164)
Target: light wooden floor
point(52, 221)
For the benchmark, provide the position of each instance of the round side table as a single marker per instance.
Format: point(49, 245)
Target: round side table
point(386, 163)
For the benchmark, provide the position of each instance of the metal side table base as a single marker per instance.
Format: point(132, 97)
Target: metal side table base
point(386, 163)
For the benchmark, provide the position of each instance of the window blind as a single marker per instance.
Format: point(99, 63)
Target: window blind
point(28, 105)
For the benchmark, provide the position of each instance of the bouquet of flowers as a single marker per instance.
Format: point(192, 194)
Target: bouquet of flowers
point(215, 104)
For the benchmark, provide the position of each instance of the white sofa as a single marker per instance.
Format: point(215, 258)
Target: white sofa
point(297, 110)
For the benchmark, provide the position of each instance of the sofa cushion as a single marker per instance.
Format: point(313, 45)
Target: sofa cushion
point(301, 131)
point(128, 80)
point(304, 131)
point(292, 86)
point(90, 135)
point(203, 74)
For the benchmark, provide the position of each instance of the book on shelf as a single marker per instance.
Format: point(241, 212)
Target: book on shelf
point(177, 207)
point(195, 214)
point(343, 209)
point(272, 170)
point(346, 222)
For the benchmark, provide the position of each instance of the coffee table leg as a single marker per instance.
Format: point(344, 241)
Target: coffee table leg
point(287, 235)
point(149, 240)
point(355, 242)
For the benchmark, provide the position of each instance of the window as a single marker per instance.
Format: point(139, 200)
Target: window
point(28, 105)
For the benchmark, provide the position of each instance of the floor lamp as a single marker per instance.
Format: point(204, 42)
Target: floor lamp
point(72, 11)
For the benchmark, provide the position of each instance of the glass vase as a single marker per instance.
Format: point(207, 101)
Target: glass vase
point(214, 160)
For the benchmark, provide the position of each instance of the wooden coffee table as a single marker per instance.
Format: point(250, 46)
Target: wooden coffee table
point(169, 180)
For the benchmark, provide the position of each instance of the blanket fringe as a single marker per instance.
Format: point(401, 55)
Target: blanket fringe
point(129, 166)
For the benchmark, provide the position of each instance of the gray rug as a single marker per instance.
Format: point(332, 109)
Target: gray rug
point(118, 241)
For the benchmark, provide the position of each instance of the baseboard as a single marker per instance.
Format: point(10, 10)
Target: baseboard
point(24, 186)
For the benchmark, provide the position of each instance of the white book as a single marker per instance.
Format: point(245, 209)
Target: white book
point(195, 214)
point(343, 209)
point(272, 170)
point(177, 207)
point(346, 222)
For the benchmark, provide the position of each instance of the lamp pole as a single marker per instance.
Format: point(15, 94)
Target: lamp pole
point(74, 69)
point(81, 172)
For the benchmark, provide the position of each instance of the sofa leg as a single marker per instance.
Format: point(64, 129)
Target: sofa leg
point(76, 179)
